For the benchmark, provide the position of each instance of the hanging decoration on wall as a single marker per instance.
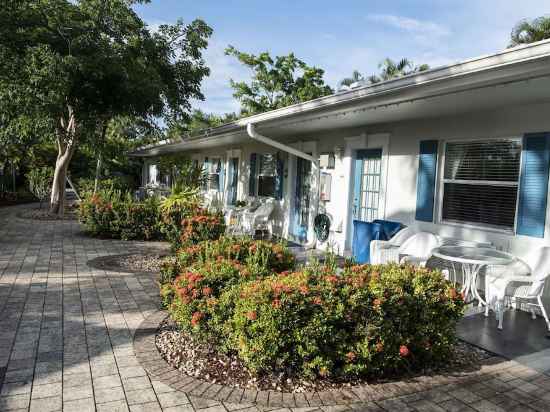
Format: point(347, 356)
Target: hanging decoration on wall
point(321, 226)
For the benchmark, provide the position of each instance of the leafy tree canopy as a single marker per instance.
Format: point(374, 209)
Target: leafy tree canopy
point(530, 31)
point(277, 82)
point(68, 67)
point(199, 120)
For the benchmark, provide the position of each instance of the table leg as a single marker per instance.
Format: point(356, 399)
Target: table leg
point(466, 281)
point(475, 272)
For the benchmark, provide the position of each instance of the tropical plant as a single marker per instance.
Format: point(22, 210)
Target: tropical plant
point(40, 182)
point(390, 69)
point(355, 77)
point(530, 31)
point(277, 82)
point(68, 67)
point(184, 173)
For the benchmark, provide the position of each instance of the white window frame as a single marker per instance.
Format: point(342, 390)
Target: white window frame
point(441, 186)
point(257, 174)
point(211, 162)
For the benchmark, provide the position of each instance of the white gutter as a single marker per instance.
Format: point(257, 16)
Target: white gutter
point(251, 130)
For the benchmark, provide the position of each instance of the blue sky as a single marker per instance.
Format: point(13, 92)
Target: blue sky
point(341, 36)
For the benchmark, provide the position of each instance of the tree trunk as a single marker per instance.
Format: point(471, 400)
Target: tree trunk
point(57, 201)
point(66, 144)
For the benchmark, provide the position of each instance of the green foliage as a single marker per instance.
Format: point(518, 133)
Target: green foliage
point(186, 175)
point(122, 184)
point(204, 272)
point(117, 215)
point(199, 121)
point(530, 31)
point(40, 181)
point(367, 321)
point(277, 82)
point(67, 68)
point(173, 210)
point(389, 69)
point(258, 256)
point(201, 225)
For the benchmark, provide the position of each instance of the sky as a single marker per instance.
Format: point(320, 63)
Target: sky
point(342, 36)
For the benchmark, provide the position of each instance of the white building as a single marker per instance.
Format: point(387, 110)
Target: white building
point(462, 151)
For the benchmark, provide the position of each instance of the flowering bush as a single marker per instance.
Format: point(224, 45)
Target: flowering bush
point(202, 225)
point(260, 257)
point(366, 321)
point(117, 215)
point(317, 322)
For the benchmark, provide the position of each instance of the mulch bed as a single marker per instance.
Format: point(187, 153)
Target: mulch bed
point(145, 262)
point(206, 363)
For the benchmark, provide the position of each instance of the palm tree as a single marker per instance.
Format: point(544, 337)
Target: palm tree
point(390, 69)
point(348, 81)
point(530, 31)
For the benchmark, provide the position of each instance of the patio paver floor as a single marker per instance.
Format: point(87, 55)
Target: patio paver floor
point(66, 338)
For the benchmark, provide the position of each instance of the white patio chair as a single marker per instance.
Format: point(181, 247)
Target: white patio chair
point(383, 250)
point(511, 282)
point(259, 219)
point(417, 249)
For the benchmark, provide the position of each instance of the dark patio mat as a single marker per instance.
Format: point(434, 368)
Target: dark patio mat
point(522, 339)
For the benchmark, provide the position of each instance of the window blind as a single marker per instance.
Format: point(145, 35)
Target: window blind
point(480, 182)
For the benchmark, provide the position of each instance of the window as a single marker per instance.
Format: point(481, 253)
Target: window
point(267, 175)
point(480, 182)
point(214, 170)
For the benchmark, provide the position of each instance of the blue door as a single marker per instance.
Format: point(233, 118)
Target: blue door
point(367, 178)
point(302, 199)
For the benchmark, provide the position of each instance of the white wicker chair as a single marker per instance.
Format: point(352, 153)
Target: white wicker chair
point(259, 219)
point(382, 251)
point(511, 282)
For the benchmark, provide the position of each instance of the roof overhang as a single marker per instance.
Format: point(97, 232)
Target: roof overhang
point(513, 76)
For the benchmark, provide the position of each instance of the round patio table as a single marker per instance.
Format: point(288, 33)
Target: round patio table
point(472, 260)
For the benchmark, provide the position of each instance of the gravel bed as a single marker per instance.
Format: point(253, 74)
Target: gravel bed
point(206, 363)
point(144, 262)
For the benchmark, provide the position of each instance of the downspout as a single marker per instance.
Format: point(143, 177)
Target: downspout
point(251, 130)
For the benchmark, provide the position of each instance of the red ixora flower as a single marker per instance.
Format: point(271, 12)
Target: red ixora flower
point(351, 356)
point(251, 315)
point(196, 318)
point(206, 291)
point(404, 351)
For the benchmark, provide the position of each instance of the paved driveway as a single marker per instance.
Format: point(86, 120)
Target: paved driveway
point(66, 336)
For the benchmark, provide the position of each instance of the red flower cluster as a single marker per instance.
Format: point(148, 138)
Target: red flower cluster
point(196, 318)
point(404, 351)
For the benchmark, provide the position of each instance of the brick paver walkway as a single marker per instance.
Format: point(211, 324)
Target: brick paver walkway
point(66, 338)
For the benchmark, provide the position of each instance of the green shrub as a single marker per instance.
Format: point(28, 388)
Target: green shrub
point(260, 257)
point(40, 181)
point(174, 209)
point(123, 184)
point(367, 321)
point(360, 321)
point(117, 215)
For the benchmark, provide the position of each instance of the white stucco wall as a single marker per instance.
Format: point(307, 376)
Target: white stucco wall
point(400, 145)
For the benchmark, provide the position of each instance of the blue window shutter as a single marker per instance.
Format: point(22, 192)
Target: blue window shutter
point(221, 187)
point(205, 170)
point(280, 176)
point(533, 185)
point(425, 181)
point(252, 176)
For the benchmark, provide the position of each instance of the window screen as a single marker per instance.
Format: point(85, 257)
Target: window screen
point(267, 175)
point(480, 182)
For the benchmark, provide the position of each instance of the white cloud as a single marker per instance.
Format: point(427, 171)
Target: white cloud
point(413, 26)
point(216, 89)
